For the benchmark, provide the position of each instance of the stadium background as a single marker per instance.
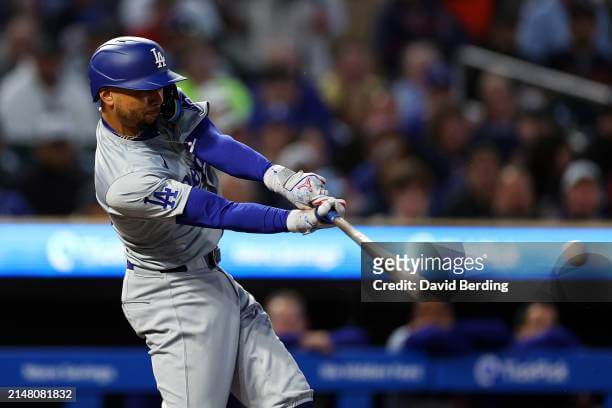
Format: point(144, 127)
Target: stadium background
point(411, 109)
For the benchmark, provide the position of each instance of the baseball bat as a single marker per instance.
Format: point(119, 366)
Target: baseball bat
point(375, 251)
point(346, 227)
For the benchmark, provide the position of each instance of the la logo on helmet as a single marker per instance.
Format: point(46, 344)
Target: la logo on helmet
point(160, 60)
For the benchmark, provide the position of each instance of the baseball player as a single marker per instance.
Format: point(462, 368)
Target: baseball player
point(154, 176)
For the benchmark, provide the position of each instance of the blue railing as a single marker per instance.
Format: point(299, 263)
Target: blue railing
point(355, 375)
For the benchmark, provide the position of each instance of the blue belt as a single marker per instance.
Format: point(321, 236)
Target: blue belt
point(212, 259)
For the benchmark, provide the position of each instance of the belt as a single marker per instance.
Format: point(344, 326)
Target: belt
point(211, 259)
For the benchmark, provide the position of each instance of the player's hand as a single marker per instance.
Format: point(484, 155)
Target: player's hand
point(307, 221)
point(300, 188)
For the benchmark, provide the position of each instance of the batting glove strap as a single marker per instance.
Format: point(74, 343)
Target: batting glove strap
point(307, 221)
point(303, 221)
point(299, 188)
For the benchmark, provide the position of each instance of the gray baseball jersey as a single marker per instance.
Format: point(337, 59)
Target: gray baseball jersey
point(207, 336)
point(143, 184)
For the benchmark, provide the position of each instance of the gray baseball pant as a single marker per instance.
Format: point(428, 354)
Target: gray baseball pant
point(207, 337)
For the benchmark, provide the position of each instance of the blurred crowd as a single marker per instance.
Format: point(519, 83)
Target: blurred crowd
point(369, 94)
point(434, 329)
point(431, 328)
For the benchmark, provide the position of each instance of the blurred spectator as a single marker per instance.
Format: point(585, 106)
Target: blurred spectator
point(533, 126)
point(433, 329)
point(514, 194)
point(581, 56)
point(502, 34)
point(600, 150)
point(439, 89)
point(348, 86)
point(381, 144)
point(54, 183)
point(308, 26)
point(274, 134)
point(545, 29)
point(476, 197)
point(434, 316)
point(38, 94)
point(382, 117)
point(446, 150)
point(59, 16)
point(17, 42)
point(500, 112)
point(547, 159)
point(208, 79)
point(429, 330)
point(156, 19)
point(408, 188)
point(538, 327)
point(410, 90)
point(287, 311)
point(369, 177)
point(423, 90)
point(403, 21)
point(450, 132)
point(582, 190)
point(283, 96)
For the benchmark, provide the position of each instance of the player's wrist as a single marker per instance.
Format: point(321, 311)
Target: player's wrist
point(301, 221)
point(276, 177)
point(306, 221)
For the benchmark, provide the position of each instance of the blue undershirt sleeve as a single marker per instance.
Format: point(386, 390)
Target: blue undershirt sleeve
point(205, 209)
point(227, 154)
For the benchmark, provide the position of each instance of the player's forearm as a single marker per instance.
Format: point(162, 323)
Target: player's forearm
point(205, 209)
point(227, 154)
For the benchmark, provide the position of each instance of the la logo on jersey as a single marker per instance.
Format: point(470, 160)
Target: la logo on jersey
point(160, 60)
point(163, 198)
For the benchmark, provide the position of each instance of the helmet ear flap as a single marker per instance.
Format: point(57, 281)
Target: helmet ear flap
point(171, 107)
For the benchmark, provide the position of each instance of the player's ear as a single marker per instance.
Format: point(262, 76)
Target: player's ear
point(106, 96)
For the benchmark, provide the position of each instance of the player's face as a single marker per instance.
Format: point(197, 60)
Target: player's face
point(137, 108)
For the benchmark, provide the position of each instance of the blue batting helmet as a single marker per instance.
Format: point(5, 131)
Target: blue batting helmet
point(130, 63)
